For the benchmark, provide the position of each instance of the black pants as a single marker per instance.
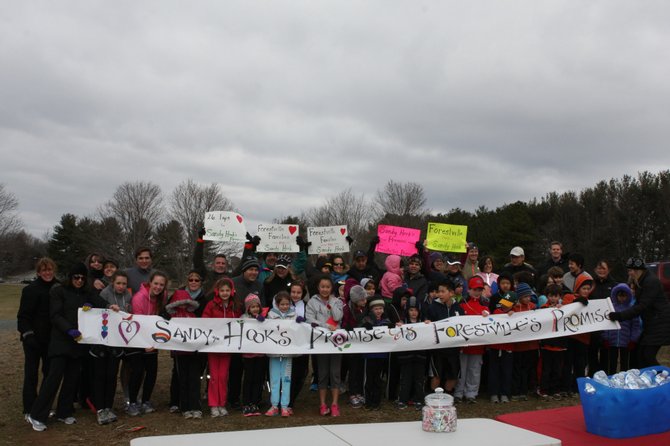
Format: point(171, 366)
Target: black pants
point(595, 359)
point(412, 380)
point(299, 370)
point(393, 374)
point(174, 384)
point(501, 366)
point(34, 354)
point(254, 376)
point(612, 356)
point(574, 366)
point(64, 374)
point(143, 373)
point(105, 370)
point(188, 371)
point(356, 373)
point(524, 363)
point(552, 367)
point(235, 379)
point(374, 384)
point(647, 355)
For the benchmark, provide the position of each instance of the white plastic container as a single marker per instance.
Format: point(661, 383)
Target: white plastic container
point(439, 413)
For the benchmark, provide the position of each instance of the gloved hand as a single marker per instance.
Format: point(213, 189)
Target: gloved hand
point(86, 307)
point(260, 318)
point(349, 240)
point(74, 334)
point(374, 242)
point(254, 241)
point(582, 300)
point(201, 232)
point(300, 319)
point(367, 326)
point(419, 246)
point(30, 341)
point(614, 316)
point(304, 246)
point(314, 324)
point(390, 325)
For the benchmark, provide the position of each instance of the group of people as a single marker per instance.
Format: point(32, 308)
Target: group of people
point(427, 286)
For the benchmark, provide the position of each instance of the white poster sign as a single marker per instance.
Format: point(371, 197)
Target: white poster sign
point(328, 239)
point(224, 226)
point(277, 238)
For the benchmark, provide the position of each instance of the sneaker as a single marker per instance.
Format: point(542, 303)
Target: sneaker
point(112, 416)
point(323, 410)
point(286, 412)
point(418, 406)
point(68, 420)
point(557, 396)
point(313, 387)
point(174, 409)
point(458, 399)
point(102, 417)
point(564, 394)
point(247, 412)
point(197, 414)
point(255, 411)
point(147, 407)
point(494, 399)
point(504, 399)
point(516, 398)
point(37, 425)
point(214, 412)
point(400, 405)
point(133, 410)
point(188, 414)
point(290, 411)
point(523, 397)
point(223, 412)
point(273, 411)
point(335, 410)
point(471, 401)
point(543, 395)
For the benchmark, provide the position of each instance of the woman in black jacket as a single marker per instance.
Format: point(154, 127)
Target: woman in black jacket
point(65, 353)
point(654, 308)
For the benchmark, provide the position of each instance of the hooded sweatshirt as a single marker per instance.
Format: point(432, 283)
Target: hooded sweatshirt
point(631, 329)
point(392, 278)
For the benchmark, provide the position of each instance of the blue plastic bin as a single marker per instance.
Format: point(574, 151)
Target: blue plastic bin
point(624, 413)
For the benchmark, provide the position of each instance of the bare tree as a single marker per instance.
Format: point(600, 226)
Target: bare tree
point(138, 208)
point(9, 221)
point(190, 201)
point(402, 199)
point(345, 208)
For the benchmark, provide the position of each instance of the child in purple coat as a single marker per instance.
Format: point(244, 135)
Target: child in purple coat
point(617, 344)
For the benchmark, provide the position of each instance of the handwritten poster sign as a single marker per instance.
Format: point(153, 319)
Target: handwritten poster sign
point(277, 336)
point(277, 238)
point(328, 239)
point(397, 240)
point(224, 226)
point(447, 238)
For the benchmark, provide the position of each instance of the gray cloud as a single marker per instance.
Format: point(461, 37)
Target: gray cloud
point(287, 103)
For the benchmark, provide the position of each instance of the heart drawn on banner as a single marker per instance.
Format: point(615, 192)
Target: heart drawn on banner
point(292, 229)
point(343, 230)
point(128, 330)
point(239, 218)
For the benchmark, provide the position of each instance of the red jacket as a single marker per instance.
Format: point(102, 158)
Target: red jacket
point(181, 305)
point(524, 345)
point(472, 307)
point(215, 308)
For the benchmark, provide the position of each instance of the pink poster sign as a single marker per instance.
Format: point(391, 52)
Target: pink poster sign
point(397, 240)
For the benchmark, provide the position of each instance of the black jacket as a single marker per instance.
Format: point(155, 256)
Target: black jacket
point(602, 288)
point(64, 305)
point(33, 314)
point(654, 308)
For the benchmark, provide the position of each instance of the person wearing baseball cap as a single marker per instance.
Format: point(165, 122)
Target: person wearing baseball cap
point(364, 264)
point(517, 262)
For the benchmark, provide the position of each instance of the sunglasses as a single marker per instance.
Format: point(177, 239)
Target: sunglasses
point(338, 264)
point(194, 280)
point(78, 277)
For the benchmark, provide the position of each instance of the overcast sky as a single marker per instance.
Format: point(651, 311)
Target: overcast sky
point(285, 103)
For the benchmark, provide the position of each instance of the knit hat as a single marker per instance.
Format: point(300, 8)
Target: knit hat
point(401, 292)
point(435, 256)
point(283, 261)
point(505, 275)
point(523, 289)
point(475, 282)
point(78, 268)
point(635, 263)
point(250, 300)
point(249, 262)
point(376, 303)
point(517, 251)
point(112, 261)
point(359, 253)
point(323, 261)
point(357, 294)
point(413, 302)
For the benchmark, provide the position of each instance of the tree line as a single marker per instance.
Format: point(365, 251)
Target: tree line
point(612, 220)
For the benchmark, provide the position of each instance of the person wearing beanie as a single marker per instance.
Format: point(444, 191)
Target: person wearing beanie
point(280, 365)
point(65, 352)
point(412, 363)
point(471, 261)
point(247, 281)
point(414, 278)
point(254, 363)
point(354, 312)
point(505, 283)
point(652, 306)
point(94, 263)
point(375, 363)
point(525, 353)
point(34, 325)
point(432, 263)
point(109, 268)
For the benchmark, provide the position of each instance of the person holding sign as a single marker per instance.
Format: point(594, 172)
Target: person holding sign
point(281, 277)
point(364, 265)
point(247, 282)
point(219, 266)
point(326, 311)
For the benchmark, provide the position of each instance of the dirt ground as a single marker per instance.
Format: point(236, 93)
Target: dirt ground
point(15, 431)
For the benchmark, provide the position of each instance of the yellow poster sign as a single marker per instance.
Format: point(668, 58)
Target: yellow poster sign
point(446, 238)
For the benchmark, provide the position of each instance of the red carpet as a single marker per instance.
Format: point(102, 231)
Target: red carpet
point(567, 424)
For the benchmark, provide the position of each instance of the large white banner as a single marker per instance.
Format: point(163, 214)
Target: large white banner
point(289, 337)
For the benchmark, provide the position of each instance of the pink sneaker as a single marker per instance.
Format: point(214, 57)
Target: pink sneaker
point(272, 412)
point(335, 410)
point(324, 410)
point(285, 412)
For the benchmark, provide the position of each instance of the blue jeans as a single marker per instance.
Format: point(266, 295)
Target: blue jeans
point(280, 381)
